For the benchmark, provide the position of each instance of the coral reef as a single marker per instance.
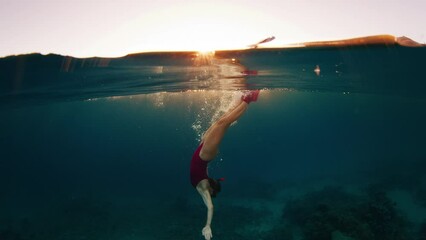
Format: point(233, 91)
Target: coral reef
point(328, 214)
point(370, 217)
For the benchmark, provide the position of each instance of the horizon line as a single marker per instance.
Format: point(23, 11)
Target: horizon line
point(355, 41)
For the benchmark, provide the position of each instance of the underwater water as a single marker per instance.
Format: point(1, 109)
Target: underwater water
point(100, 148)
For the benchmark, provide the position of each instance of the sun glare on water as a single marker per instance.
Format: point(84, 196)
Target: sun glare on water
point(206, 53)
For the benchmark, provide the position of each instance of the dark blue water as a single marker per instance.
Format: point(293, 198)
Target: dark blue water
point(100, 148)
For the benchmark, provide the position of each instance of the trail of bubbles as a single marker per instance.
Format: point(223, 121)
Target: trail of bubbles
point(212, 106)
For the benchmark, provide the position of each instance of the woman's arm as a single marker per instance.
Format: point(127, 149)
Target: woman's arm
point(205, 194)
point(209, 204)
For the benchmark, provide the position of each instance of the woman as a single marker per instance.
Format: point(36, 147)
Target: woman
point(206, 152)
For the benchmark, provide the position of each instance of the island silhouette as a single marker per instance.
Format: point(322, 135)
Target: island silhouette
point(368, 40)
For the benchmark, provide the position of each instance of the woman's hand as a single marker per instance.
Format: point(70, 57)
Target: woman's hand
point(207, 232)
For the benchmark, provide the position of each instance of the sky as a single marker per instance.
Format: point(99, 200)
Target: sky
point(112, 28)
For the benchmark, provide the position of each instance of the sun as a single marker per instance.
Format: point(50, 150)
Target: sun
point(204, 58)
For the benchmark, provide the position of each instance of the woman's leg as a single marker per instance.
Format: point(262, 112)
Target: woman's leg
point(223, 116)
point(215, 133)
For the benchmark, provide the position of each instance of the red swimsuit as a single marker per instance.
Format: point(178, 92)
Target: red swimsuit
point(198, 169)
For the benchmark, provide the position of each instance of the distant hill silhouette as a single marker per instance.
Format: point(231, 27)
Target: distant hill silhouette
point(408, 42)
point(370, 40)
